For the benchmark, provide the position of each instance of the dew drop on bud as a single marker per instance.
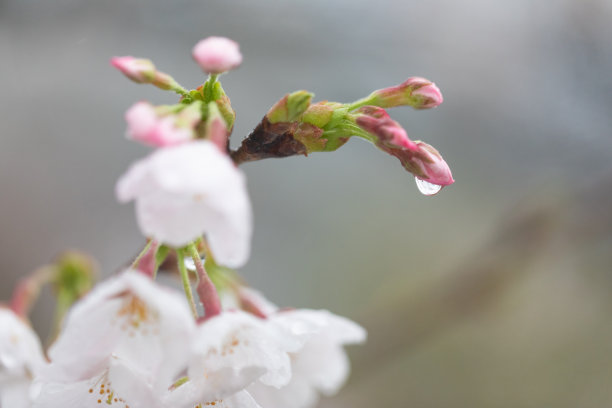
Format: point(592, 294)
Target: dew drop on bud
point(427, 188)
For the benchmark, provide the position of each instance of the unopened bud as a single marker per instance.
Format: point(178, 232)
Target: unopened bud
point(158, 127)
point(75, 274)
point(228, 113)
point(143, 71)
point(137, 69)
point(388, 132)
point(216, 129)
point(434, 168)
point(417, 92)
point(290, 107)
point(216, 55)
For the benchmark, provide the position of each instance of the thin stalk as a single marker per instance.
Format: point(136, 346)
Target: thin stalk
point(180, 257)
point(141, 254)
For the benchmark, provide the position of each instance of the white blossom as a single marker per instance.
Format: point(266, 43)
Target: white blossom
point(21, 358)
point(231, 351)
point(184, 191)
point(320, 366)
point(121, 344)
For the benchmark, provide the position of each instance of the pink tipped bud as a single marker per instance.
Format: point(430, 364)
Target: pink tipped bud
point(138, 70)
point(147, 126)
point(435, 170)
point(389, 133)
point(417, 92)
point(216, 128)
point(216, 55)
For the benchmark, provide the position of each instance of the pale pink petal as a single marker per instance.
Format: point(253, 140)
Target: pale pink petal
point(185, 191)
point(216, 55)
point(231, 351)
point(20, 350)
point(129, 317)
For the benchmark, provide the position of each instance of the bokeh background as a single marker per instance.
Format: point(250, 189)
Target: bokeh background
point(495, 293)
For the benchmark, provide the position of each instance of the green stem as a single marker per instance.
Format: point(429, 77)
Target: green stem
point(368, 100)
point(180, 90)
point(180, 257)
point(209, 87)
point(141, 254)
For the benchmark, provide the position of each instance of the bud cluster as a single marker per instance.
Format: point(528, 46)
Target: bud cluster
point(296, 126)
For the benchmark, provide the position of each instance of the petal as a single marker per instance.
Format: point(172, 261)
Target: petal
point(130, 317)
point(229, 352)
point(130, 383)
point(185, 191)
point(20, 349)
point(15, 394)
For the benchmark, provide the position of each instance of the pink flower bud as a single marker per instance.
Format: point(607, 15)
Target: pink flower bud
point(435, 169)
point(138, 70)
point(147, 126)
point(216, 128)
point(216, 55)
point(417, 92)
point(389, 133)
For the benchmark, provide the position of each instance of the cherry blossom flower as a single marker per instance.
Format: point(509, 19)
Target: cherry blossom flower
point(319, 366)
point(231, 351)
point(120, 345)
point(21, 358)
point(216, 55)
point(184, 191)
point(148, 126)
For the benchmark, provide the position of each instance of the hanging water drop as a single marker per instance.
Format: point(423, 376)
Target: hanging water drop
point(427, 188)
point(190, 265)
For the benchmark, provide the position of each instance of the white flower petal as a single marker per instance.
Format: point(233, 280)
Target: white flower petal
point(20, 351)
point(229, 352)
point(185, 191)
point(130, 317)
point(120, 386)
point(15, 394)
point(320, 366)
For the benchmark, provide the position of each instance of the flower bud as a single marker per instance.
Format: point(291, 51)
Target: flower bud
point(228, 113)
point(388, 132)
point(216, 129)
point(417, 92)
point(161, 127)
point(138, 70)
point(290, 107)
point(435, 170)
point(216, 55)
point(143, 71)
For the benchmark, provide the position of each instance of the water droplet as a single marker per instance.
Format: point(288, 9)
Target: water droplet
point(190, 265)
point(427, 188)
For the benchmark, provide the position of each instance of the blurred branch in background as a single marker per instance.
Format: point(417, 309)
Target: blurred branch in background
point(544, 232)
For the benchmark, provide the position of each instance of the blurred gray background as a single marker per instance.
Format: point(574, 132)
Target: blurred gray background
point(495, 293)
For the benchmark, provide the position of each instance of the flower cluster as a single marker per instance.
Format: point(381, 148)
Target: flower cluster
point(131, 342)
